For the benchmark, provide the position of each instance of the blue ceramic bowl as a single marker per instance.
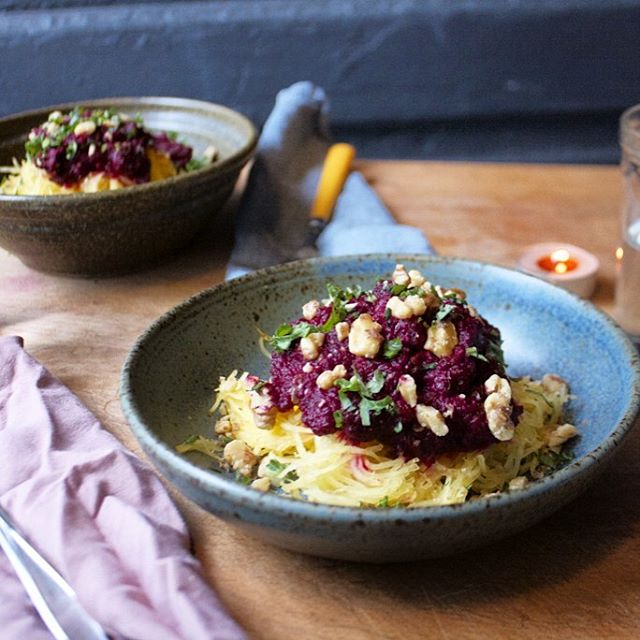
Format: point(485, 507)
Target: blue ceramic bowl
point(168, 381)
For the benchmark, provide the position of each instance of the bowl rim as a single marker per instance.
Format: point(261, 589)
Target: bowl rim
point(231, 490)
point(229, 164)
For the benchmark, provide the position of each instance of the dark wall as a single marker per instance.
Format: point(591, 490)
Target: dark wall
point(540, 80)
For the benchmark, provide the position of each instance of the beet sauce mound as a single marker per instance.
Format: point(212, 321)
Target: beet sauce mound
point(118, 151)
point(453, 384)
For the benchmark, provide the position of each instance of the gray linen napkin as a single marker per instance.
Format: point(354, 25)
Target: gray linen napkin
point(274, 210)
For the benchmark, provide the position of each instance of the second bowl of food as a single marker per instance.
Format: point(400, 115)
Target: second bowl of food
point(117, 184)
point(382, 408)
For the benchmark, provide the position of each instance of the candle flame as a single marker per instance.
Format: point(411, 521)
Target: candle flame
point(559, 261)
point(560, 255)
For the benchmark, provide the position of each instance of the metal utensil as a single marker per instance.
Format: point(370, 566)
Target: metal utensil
point(336, 168)
point(52, 596)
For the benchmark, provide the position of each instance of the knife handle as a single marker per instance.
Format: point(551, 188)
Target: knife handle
point(336, 168)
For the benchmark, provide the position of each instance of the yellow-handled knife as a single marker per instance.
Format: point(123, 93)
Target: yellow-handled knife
point(335, 170)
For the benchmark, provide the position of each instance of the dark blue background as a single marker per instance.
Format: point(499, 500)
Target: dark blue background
point(530, 80)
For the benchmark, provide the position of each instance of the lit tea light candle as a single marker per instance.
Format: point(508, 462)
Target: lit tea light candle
point(564, 265)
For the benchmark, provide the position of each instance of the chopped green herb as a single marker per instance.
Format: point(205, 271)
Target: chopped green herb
point(376, 383)
point(191, 439)
point(275, 466)
point(243, 479)
point(338, 313)
point(444, 310)
point(553, 460)
point(338, 418)
point(194, 164)
point(292, 476)
point(384, 503)
point(285, 334)
point(397, 289)
point(398, 428)
point(392, 348)
point(368, 406)
point(342, 303)
point(494, 348)
point(473, 352)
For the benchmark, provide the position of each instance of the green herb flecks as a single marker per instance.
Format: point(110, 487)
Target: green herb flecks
point(494, 348)
point(473, 352)
point(72, 149)
point(338, 419)
point(292, 476)
point(443, 311)
point(553, 460)
point(275, 466)
point(368, 404)
point(194, 164)
point(391, 348)
point(384, 503)
point(285, 334)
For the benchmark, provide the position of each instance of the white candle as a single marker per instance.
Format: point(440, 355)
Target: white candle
point(562, 264)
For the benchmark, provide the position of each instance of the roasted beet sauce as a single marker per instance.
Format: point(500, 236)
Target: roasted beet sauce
point(115, 146)
point(452, 384)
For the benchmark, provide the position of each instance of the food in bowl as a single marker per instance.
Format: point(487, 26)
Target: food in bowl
point(90, 150)
point(394, 396)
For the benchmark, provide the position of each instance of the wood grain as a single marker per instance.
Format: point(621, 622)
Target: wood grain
point(575, 575)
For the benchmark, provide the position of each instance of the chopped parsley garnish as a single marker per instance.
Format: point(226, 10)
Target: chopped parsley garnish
point(376, 383)
point(338, 418)
point(366, 391)
point(342, 303)
point(275, 466)
point(292, 476)
point(72, 149)
point(494, 348)
point(384, 503)
point(194, 164)
point(368, 406)
point(398, 428)
point(473, 352)
point(243, 479)
point(285, 334)
point(392, 348)
point(553, 460)
point(444, 310)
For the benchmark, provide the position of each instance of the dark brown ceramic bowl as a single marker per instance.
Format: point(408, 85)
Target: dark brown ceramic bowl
point(97, 234)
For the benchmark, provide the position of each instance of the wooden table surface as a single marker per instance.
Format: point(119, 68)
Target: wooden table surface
point(575, 575)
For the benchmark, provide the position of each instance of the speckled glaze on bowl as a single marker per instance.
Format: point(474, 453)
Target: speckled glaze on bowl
point(112, 232)
point(167, 386)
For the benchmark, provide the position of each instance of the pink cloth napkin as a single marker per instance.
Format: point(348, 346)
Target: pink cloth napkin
point(97, 513)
